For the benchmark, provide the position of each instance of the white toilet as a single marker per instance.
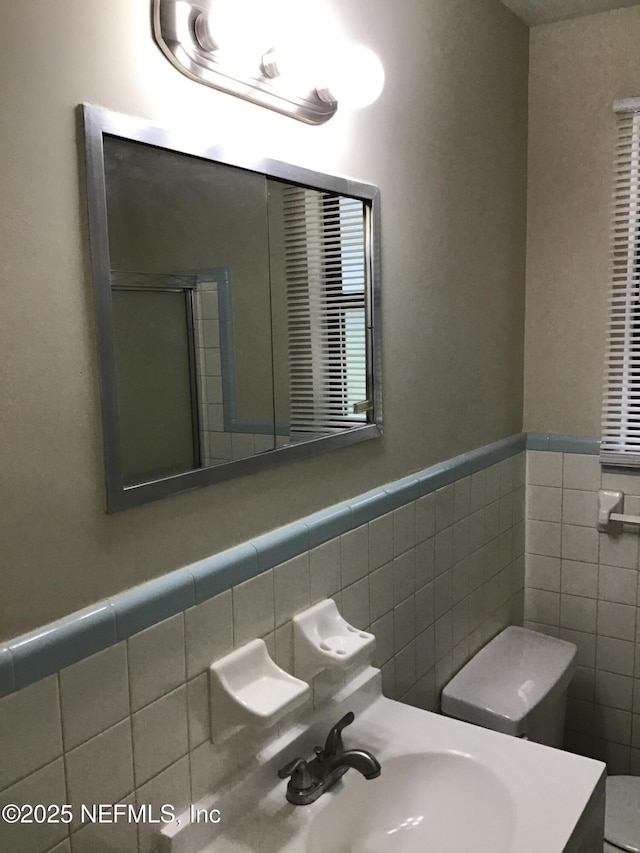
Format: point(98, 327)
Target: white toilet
point(622, 815)
point(517, 684)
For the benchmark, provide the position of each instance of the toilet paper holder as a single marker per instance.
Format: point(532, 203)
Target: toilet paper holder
point(610, 509)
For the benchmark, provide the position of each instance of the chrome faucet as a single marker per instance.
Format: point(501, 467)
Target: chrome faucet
point(309, 780)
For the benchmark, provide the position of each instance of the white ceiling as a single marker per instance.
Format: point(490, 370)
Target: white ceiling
point(535, 12)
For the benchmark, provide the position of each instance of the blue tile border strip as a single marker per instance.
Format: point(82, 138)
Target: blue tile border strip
point(220, 572)
point(281, 545)
point(329, 523)
point(43, 652)
point(146, 605)
point(40, 653)
point(7, 680)
point(563, 443)
point(537, 441)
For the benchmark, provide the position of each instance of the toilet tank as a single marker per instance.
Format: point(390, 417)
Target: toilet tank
point(517, 684)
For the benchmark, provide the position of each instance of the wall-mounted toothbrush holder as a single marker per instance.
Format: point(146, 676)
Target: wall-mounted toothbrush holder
point(248, 689)
point(610, 509)
point(323, 639)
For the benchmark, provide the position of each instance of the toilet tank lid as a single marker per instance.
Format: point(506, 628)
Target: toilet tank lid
point(508, 678)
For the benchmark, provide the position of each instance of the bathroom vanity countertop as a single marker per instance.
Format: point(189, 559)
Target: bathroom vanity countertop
point(439, 775)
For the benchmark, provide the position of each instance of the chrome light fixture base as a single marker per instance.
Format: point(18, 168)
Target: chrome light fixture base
point(174, 28)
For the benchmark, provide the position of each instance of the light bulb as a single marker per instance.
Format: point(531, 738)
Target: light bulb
point(298, 63)
point(304, 34)
point(240, 29)
point(355, 79)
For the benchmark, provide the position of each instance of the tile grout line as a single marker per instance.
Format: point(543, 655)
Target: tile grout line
point(64, 751)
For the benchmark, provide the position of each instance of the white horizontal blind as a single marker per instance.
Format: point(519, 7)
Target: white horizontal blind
point(620, 440)
point(326, 286)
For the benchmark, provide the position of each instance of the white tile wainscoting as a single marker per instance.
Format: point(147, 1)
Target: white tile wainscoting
point(433, 580)
point(582, 585)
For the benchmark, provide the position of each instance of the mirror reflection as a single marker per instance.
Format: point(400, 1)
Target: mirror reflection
point(235, 310)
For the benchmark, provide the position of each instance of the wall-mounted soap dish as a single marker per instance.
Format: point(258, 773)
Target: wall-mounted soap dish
point(322, 639)
point(248, 689)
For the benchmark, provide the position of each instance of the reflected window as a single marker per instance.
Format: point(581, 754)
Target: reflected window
point(326, 309)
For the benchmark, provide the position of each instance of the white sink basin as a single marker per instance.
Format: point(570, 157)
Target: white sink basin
point(445, 787)
point(441, 801)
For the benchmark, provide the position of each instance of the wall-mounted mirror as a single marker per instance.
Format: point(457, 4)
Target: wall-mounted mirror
point(238, 309)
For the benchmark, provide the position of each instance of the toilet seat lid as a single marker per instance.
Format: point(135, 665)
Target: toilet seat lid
point(622, 813)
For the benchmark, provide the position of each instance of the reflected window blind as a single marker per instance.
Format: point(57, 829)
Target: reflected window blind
point(620, 439)
point(326, 310)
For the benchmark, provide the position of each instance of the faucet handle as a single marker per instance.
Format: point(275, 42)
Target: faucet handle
point(298, 770)
point(333, 744)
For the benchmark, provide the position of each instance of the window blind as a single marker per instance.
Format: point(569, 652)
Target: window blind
point(325, 269)
point(620, 439)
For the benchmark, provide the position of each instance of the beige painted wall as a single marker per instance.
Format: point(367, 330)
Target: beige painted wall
point(577, 69)
point(446, 143)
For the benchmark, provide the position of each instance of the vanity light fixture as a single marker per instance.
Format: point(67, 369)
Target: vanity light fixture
point(287, 55)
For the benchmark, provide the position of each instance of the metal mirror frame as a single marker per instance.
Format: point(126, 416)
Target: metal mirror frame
point(99, 122)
